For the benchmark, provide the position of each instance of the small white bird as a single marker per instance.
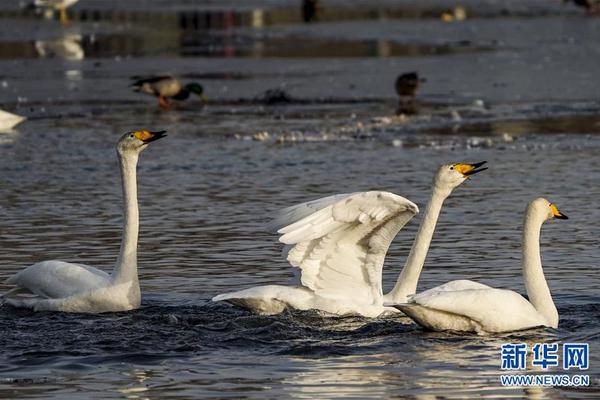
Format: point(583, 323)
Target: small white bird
point(9, 120)
point(468, 306)
point(62, 286)
point(60, 5)
point(340, 243)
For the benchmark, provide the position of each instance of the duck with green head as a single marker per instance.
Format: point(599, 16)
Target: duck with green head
point(165, 87)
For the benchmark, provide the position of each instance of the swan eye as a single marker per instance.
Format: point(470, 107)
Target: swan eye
point(451, 168)
point(131, 136)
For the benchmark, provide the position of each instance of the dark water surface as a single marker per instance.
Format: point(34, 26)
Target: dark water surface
point(514, 85)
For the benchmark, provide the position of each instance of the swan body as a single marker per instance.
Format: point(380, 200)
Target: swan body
point(473, 307)
point(339, 245)
point(62, 286)
point(9, 120)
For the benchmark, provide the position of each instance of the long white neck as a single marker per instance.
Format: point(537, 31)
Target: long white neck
point(409, 277)
point(126, 267)
point(533, 274)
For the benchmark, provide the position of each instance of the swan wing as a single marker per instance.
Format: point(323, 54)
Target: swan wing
point(496, 310)
point(59, 279)
point(340, 249)
point(292, 214)
point(456, 285)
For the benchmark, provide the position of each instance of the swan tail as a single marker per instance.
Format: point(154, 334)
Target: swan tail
point(12, 292)
point(255, 302)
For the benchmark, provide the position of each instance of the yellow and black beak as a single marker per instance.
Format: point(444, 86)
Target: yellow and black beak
point(557, 214)
point(148, 136)
point(470, 169)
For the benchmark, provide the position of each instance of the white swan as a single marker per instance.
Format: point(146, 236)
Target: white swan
point(9, 120)
point(473, 307)
point(340, 246)
point(62, 286)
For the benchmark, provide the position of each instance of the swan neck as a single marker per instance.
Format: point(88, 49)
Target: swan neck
point(409, 277)
point(126, 267)
point(533, 274)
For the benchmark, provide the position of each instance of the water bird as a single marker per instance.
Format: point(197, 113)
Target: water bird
point(165, 87)
point(9, 120)
point(468, 306)
point(310, 10)
point(591, 6)
point(68, 287)
point(60, 5)
point(340, 243)
point(406, 87)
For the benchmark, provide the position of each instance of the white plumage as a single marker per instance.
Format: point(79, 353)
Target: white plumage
point(340, 251)
point(62, 286)
point(339, 245)
point(56, 4)
point(474, 307)
point(9, 120)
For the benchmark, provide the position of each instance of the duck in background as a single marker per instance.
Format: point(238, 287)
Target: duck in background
point(9, 120)
point(59, 5)
point(406, 86)
point(310, 10)
point(592, 7)
point(166, 87)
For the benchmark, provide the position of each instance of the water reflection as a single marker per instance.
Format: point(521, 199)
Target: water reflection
point(67, 47)
point(8, 136)
point(136, 389)
point(343, 377)
point(213, 34)
point(76, 47)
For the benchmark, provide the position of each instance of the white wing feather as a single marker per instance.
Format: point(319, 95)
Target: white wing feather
point(341, 248)
point(292, 214)
point(58, 279)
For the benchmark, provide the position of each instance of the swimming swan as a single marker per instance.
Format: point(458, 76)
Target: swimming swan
point(340, 243)
point(469, 306)
point(9, 120)
point(62, 286)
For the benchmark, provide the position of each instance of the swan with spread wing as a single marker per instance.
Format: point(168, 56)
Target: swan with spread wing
point(62, 286)
point(468, 306)
point(339, 244)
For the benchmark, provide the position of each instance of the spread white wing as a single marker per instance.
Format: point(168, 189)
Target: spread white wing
point(292, 214)
point(341, 247)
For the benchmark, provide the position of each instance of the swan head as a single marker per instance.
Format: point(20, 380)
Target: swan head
point(546, 210)
point(136, 141)
point(450, 176)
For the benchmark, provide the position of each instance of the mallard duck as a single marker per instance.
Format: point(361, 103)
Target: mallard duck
point(60, 5)
point(9, 121)
point(166, 86)
point(406, 87)
point(310, 10)
point(591, 6)
point(408, 83)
